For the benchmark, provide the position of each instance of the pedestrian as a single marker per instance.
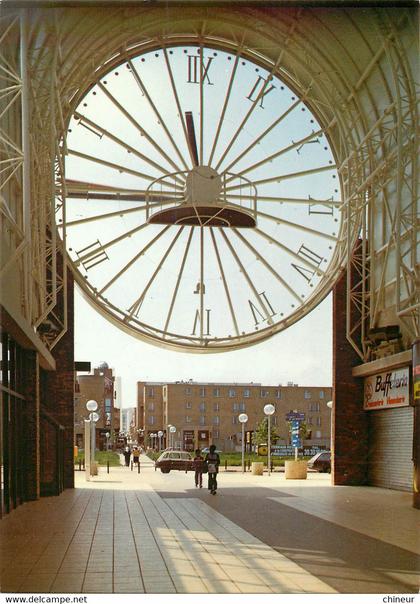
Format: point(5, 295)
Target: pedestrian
point(213, 461)
point(198, 467)
point(127, 455)
point(136, 455)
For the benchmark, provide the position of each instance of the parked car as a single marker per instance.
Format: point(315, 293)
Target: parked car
point(175, 460)
point(207, 450)
point(321, 462)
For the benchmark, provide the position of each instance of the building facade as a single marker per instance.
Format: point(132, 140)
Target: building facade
point(205, 413)
point(99, 386)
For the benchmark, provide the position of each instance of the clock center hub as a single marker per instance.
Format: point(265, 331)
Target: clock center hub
point(203, 186)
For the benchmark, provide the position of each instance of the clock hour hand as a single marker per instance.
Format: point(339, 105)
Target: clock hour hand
point(192, 143)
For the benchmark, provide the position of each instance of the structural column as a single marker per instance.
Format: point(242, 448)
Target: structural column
point(31, 434)
point(349, 420)
point(416, 435)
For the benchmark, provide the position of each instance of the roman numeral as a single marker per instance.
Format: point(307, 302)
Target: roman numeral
point(194, 63)
point(257, 314)
point(320, 208)
point(261, 82)
point(312, 258)
point(94, 256)
point(197, 321)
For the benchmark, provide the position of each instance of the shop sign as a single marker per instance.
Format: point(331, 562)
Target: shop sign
point(389, 389)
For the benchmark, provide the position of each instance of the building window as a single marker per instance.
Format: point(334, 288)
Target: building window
point(318, 421)
point(278, 394)
point(187, 419)
point(274, 420)
point(216, 420)
point(321, 394)
point(216, 407)
point(310, 421)
point(247, 392)
point(235, 407)
point(151, 406)
point(242, 407)
point(216, 391)
point(151, 420)
point(314, 407)
point(306, 394)
point(202, 392)
point(202, 406)
point(263, 393)
point(188, 405)
point(318, 434)
point(151, 392)
point(215, 433)
point(188, 391)
point(232, 392)
point(234, 419)
point(202, 420)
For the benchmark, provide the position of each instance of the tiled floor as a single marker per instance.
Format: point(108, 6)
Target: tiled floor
point(117, 534)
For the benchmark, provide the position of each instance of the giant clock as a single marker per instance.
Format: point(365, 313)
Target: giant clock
point(203, 202)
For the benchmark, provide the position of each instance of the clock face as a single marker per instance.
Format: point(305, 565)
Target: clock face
point(203, 204)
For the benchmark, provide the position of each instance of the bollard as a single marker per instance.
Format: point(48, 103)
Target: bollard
point(131, 464)
point(249, 465)
point(83, 464)
point(138, 467)
point(225, 465)
point(80, 465)
point(271, 466)
point(107, 466)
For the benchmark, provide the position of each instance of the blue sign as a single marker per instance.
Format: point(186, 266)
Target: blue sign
point(296, 442)
point(295, 415)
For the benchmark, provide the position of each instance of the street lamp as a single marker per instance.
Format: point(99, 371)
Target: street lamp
point(160, 434)
point(243, 418)
point(172, 431)
point(153, 437)
point(330, 406)
point(92, 406)
point(269, 410)
point(107, 440)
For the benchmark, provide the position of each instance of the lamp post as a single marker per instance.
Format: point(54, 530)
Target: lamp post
point(269, 410)
point(243, 418)
point(160, 434)
point(107, 440)
point(92, 406)
point(172, 431)
point(330, 406)
point(153, 437)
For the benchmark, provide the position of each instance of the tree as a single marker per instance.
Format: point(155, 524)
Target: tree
point(261, 434)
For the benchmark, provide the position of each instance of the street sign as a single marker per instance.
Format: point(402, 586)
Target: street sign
point(295, 415)
point(296, 442)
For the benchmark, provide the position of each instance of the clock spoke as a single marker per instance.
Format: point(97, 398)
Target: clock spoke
point(178, 281)
point(225, 284)
point(248, 279)
point(267, 131)
point(143, 132)
point(119, 167)
point(155, 110)
point(268, 265)
point(277, 154)
point(251, 110)
point(118, 213)
point(125, 145)
point(134, 259)
point(225, 105)
point(177, 101)
point(296, 225)
point(312, 267)
point(280, 177)
point(136, 306)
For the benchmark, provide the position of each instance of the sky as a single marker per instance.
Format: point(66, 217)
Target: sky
point(301, 354)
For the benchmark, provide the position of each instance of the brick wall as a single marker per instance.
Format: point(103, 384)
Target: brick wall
point(350, 426)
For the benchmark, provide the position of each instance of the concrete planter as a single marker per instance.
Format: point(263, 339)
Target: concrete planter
point(257, 468)
point(295, 469)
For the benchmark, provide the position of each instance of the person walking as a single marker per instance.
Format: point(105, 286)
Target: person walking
point(127, 455)
point(136, 455)
point(198, 466)
point(213, 461)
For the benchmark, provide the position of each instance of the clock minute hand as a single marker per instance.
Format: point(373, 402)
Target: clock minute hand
point(192, 143)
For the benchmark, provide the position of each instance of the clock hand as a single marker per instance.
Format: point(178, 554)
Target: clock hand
point(192, 143)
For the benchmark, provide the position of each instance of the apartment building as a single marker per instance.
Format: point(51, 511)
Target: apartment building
point(205, 412)
point(99, 386)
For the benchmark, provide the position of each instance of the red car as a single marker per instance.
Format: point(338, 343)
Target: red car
point(175, 460)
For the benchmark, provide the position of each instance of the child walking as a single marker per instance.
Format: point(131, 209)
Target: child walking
point(198, 465)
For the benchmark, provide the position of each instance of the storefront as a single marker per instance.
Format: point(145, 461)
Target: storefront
point(391, 427)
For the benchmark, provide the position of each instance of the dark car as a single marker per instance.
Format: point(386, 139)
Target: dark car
point(320, 462)
point(175, 460)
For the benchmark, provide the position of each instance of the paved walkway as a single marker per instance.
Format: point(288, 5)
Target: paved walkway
point(125, 532)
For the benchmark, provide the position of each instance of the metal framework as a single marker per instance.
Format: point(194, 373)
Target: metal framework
point(364, 94)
